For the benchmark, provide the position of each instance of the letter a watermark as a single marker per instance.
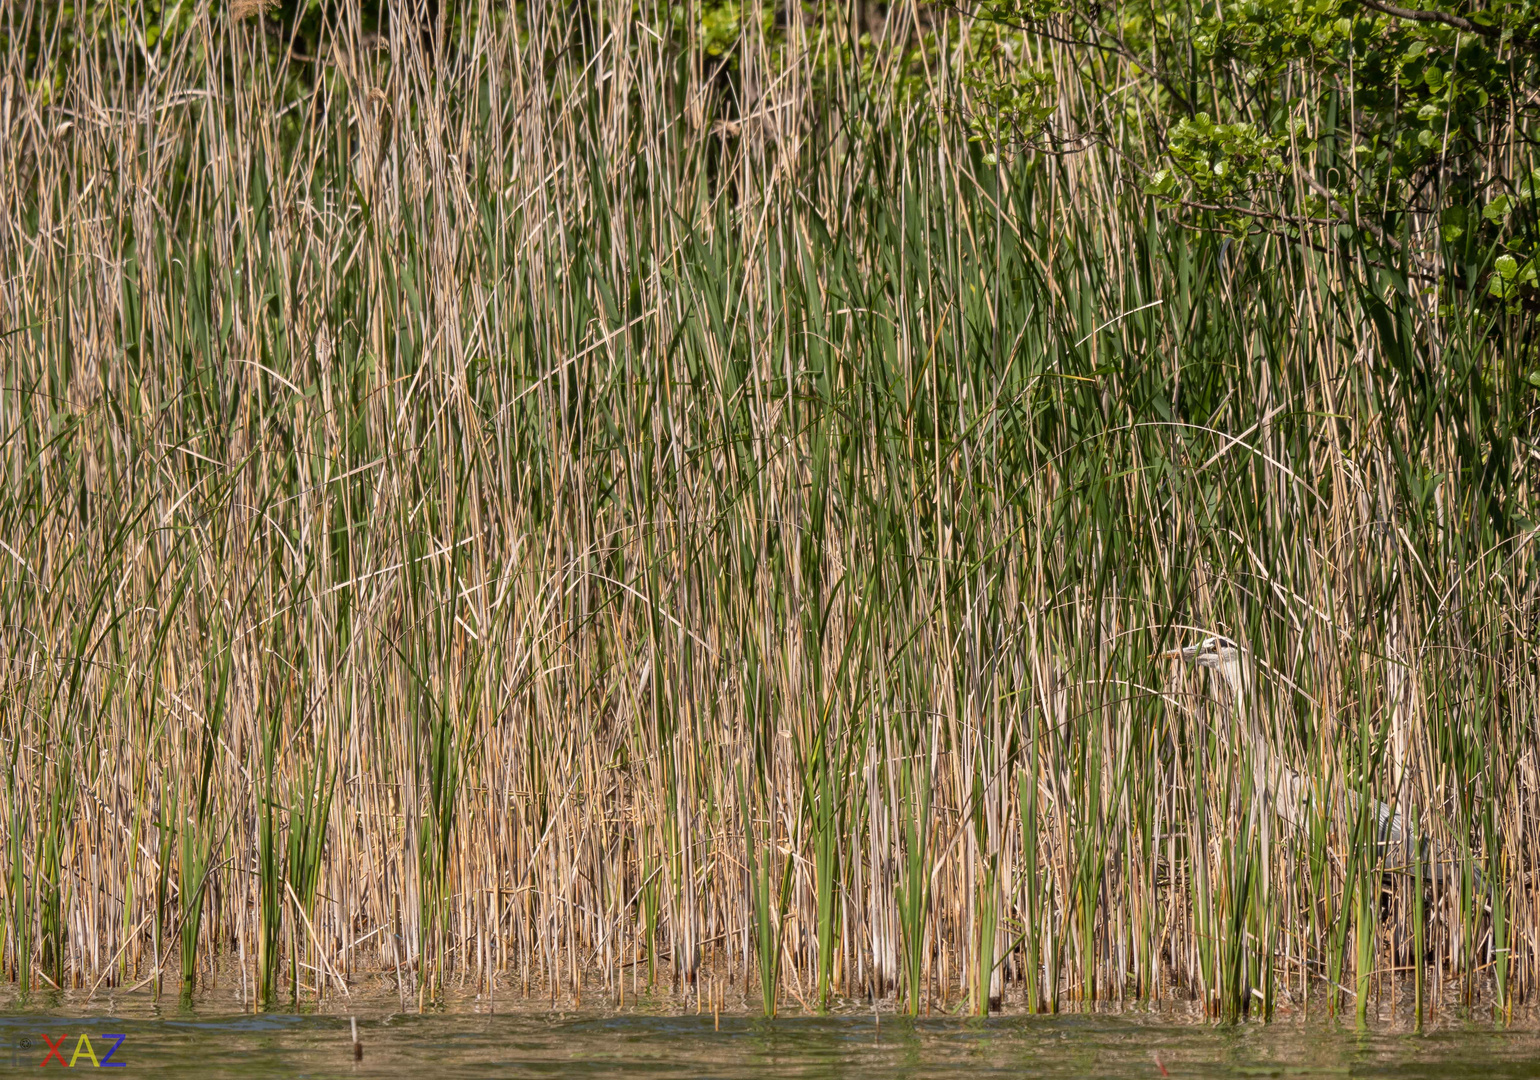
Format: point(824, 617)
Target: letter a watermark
point(89, 1051)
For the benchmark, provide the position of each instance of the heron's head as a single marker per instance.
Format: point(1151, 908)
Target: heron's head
point(1212, 652)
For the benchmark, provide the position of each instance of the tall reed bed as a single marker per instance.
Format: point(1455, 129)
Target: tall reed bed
point(568, 512)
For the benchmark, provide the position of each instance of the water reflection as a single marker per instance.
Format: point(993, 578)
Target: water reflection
point(211, 1040)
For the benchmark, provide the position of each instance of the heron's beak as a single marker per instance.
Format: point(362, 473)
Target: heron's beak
point(1186, 655)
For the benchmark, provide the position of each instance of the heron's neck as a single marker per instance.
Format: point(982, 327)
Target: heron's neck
point(1248, 724)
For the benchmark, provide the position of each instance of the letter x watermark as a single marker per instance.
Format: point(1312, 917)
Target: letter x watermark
point(55, 1050)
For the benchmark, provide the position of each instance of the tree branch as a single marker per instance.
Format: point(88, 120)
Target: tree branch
point(1459, 22)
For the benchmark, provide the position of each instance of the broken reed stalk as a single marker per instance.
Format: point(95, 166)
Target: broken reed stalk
point(529, 500)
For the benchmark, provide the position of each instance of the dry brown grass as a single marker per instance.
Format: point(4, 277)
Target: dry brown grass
point(245, 9)
point(460, 518)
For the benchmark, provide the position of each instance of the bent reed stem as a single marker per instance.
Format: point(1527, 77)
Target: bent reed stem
point(557, 508)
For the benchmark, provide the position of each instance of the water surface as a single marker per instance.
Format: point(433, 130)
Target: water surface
point(213, 1039)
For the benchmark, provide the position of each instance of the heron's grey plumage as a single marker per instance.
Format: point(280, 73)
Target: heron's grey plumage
point(1293, 795)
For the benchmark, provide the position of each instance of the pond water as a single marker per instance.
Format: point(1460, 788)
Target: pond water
point(214, 1040)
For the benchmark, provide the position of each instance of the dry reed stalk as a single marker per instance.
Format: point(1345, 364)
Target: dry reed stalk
point(526, 463)
point(245, 9)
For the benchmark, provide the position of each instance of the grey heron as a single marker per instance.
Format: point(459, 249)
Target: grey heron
point(1291, 794)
